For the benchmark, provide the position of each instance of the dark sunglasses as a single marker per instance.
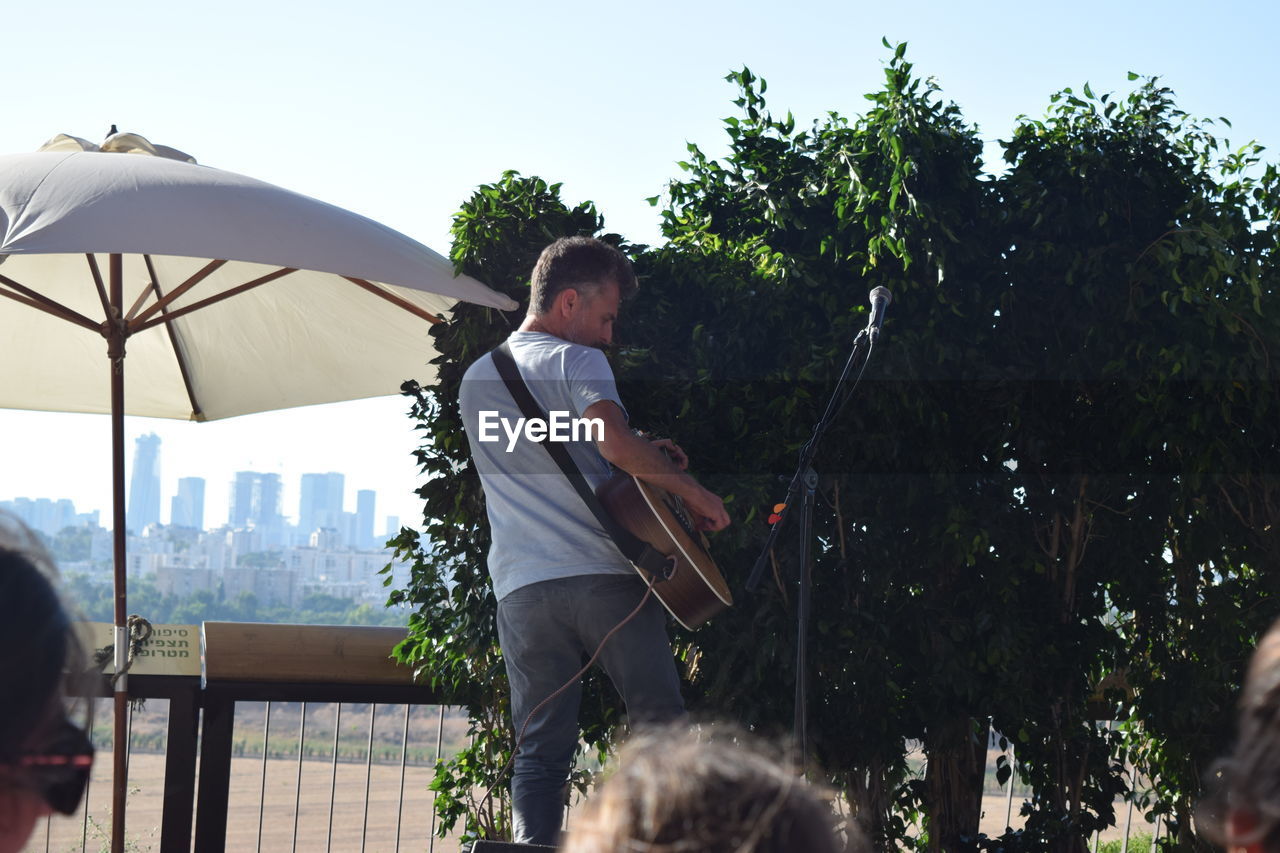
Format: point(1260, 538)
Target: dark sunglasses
point(60, 769)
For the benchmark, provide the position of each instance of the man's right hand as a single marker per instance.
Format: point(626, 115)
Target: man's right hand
point(709, 509)
point(650, 462)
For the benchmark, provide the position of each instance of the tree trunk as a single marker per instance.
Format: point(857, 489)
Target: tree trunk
point(870, 799)
point(957, 756)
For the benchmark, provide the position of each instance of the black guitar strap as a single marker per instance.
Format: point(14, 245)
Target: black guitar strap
point(633, 548)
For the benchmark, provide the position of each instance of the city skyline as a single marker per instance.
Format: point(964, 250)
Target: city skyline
point(284, 443)
point(258, 501)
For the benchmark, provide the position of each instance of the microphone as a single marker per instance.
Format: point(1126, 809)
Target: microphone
point(881, 298)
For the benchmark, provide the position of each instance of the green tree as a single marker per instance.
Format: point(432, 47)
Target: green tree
point(72, 544)
point(1057, 473)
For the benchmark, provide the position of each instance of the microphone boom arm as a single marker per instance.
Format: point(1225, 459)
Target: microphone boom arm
point(804, 484)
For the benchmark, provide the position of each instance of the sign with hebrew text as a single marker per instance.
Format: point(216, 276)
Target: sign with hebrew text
point(170, 650)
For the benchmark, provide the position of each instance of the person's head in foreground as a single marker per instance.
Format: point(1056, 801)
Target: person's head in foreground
point(44, 758)
point(671, 792)
point(1244, 812)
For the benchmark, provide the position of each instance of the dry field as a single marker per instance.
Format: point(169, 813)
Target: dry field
point(349, 824)
point(296, 812)
point(295, 815)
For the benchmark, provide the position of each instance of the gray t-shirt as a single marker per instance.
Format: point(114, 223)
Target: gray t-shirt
point(542, 530)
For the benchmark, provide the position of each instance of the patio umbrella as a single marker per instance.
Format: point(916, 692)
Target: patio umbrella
point(216, 294)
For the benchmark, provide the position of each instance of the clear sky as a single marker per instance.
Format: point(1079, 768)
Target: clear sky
point(398, 110)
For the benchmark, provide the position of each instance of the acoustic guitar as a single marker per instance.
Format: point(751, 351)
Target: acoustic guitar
point(691, 589)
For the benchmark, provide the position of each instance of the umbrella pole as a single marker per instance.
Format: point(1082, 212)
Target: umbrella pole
point(117, 331)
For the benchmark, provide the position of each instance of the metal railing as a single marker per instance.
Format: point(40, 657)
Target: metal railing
point(262, 786)
point(1005, 802)
point(332, 776)
point(332, 749)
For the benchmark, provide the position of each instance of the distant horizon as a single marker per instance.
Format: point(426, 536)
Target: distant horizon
point(105, 516)
point(208, 528)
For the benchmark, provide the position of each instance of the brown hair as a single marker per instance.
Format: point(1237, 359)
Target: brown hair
point(37, 643)
point(1247, 781)
point(582, 264)
point(671, 791)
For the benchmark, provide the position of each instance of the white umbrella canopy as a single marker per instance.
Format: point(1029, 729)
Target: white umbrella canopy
point(216, 294)
point(345, 321)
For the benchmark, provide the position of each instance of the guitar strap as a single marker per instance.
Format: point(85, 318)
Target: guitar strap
point(636, 550)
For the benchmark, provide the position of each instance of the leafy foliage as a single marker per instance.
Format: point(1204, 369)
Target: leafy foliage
point(1050, 509)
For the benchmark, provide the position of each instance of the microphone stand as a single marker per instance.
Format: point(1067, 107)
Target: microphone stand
point(804, 484)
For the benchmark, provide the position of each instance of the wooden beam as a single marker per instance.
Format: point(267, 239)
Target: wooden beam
point(178, 291)
point(102, 288)
point(43, 303)
point(247, 651)
point(395, 300)
point(146, 291)
point(187, 309)
point(197, 414)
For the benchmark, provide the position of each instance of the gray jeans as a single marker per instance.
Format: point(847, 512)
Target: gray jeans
point(547, 631)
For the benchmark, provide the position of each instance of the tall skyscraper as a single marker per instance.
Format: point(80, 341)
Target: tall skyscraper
point(187, 507)
point(255, 500)
point(144, 485)
point(242, 489)
point(365, 499)
point(321, 500)
point(267, 507)
point(270, 519)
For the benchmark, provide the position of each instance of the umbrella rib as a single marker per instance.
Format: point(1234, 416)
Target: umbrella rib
point(395, 300)
point(187, 309)
point(141, 321)
point(196, 413)
point(137, 303)
point(102, 289)
point(44, 303)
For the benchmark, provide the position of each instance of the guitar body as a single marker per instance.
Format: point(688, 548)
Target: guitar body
point(693, 591)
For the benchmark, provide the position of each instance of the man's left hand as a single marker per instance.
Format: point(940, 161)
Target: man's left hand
point(673, 452)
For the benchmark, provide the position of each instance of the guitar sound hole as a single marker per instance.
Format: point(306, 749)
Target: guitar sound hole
point(669, 570)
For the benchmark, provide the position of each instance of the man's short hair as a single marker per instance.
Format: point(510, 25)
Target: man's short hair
point(582, 264)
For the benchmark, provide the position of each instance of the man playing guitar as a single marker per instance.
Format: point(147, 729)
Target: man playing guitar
point(561, 583)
